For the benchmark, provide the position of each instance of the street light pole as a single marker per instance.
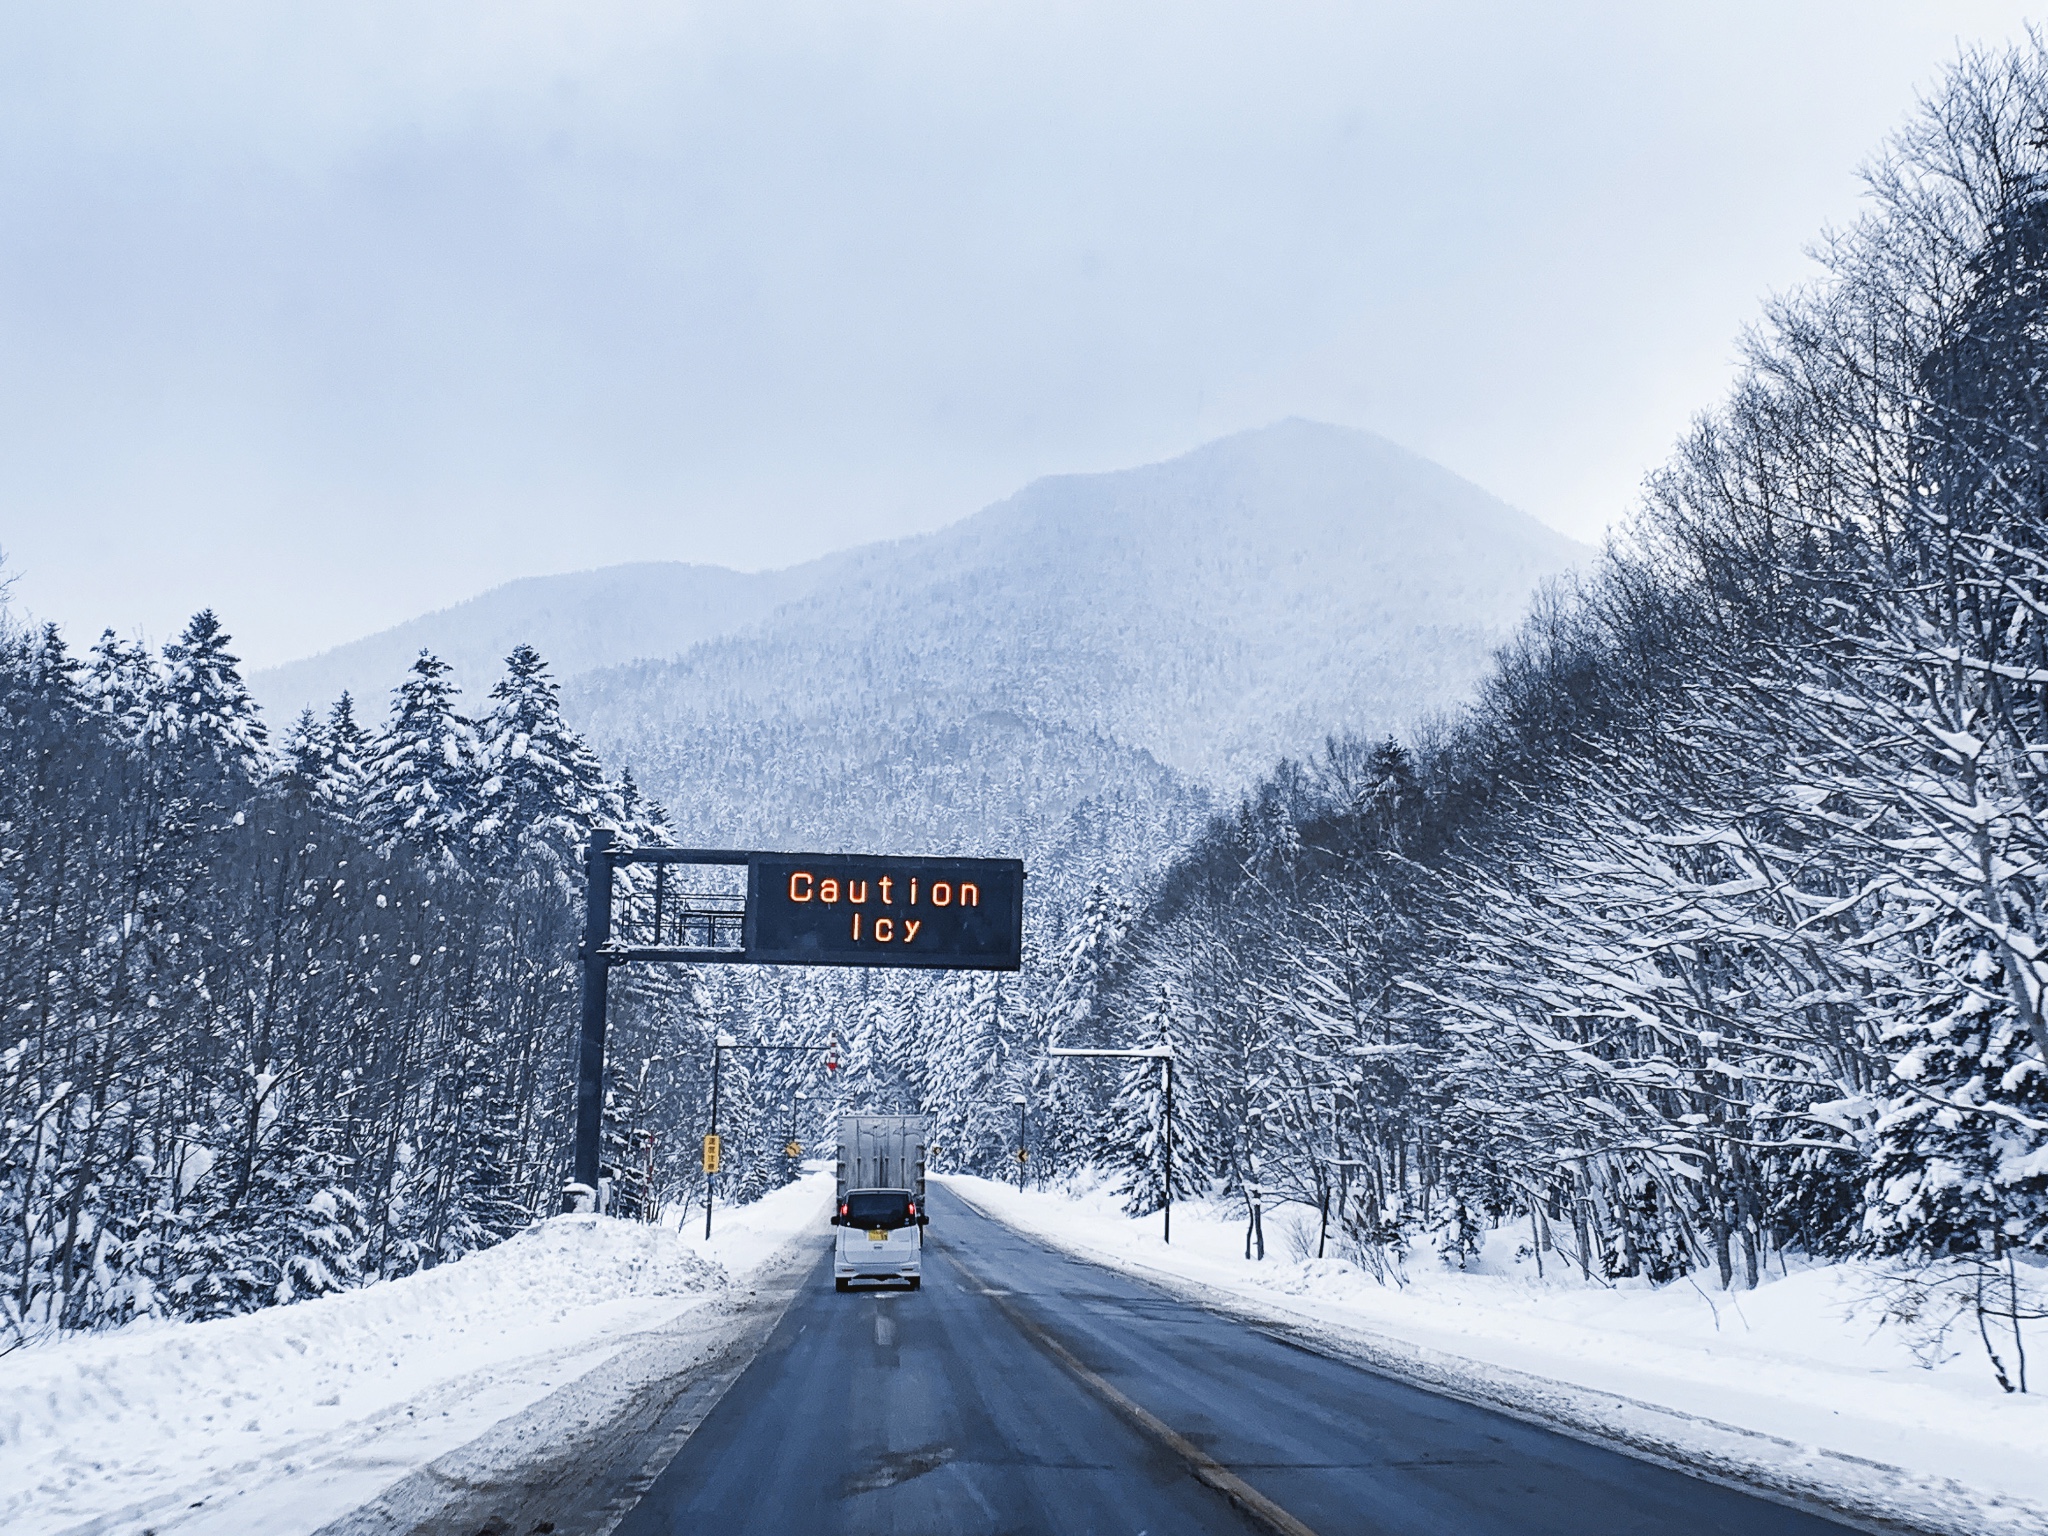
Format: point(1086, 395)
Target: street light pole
point(1168, 1059)
point(1164, 1055)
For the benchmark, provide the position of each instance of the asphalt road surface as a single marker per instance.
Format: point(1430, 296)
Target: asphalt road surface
point(1021, 1391)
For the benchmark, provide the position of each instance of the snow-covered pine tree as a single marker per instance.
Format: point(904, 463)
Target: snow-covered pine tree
point(1065, 1100)
point(642, 820)
point(204, 710)
point(628, 1141)
point(122, 685)
point(541, 786)
point(348, 747)
point(295, 1230)
point(977, 1066)
point(1956, 1168)
point(864, 1081)
point(303, 760)
point(420, 782)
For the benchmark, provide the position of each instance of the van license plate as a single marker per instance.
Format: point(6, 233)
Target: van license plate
point(880, 1237)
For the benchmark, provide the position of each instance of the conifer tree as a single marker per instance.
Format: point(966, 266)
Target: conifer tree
point(1137, 1126)
point(348, 747)
point(541, 786)
point(1089, 958)
point(203, 705)
point(1956, 1169)
point(303, 764)
point(298, 1230)
point(420, 782)
point(122, 685)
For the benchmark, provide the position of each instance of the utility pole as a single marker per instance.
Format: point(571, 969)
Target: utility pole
point(1162, 1054)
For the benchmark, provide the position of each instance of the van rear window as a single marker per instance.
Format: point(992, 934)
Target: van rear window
point(877, 1208)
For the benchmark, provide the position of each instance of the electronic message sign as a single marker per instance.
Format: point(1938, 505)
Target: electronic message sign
point(866, 909)
point(799, 909)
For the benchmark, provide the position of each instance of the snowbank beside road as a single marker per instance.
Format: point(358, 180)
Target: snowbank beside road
point(1781, 1382)
point(297, 1414)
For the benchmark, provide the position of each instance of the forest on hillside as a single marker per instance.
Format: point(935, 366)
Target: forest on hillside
point(1716, 933)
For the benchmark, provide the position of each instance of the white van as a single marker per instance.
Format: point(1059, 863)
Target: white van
point(881, 1237)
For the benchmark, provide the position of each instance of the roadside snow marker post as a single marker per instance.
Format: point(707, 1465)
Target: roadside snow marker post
point(1163, 1054)
point(835, 909)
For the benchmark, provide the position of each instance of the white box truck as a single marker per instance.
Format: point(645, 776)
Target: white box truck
point(880, 1207)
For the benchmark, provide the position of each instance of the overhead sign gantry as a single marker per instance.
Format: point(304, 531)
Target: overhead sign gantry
point(843, 909)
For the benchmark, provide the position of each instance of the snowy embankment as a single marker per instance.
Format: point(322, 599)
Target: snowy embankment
point(282, 1420)
point(1792, 1386)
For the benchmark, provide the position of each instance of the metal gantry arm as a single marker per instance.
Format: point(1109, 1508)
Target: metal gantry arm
point(1159, 1053)
point(716, 917)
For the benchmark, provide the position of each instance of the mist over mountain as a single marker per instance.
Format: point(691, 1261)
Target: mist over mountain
point(579, 621)
point(1074, 672)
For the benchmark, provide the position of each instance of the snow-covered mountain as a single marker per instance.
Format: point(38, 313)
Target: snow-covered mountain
point(1115, 645)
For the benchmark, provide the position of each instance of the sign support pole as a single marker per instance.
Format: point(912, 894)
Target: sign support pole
point(597, 928)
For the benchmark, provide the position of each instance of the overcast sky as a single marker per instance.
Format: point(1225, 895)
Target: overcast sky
point(328, 315)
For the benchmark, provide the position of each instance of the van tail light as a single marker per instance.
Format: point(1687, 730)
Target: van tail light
point(913, 1210)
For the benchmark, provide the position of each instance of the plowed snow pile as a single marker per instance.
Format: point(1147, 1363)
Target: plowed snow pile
point(334, 1399)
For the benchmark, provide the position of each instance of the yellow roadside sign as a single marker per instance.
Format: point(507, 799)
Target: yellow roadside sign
point(711, 1154)
point(793, 1149)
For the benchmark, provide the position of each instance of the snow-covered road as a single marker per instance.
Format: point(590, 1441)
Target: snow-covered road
point(284, 1420)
